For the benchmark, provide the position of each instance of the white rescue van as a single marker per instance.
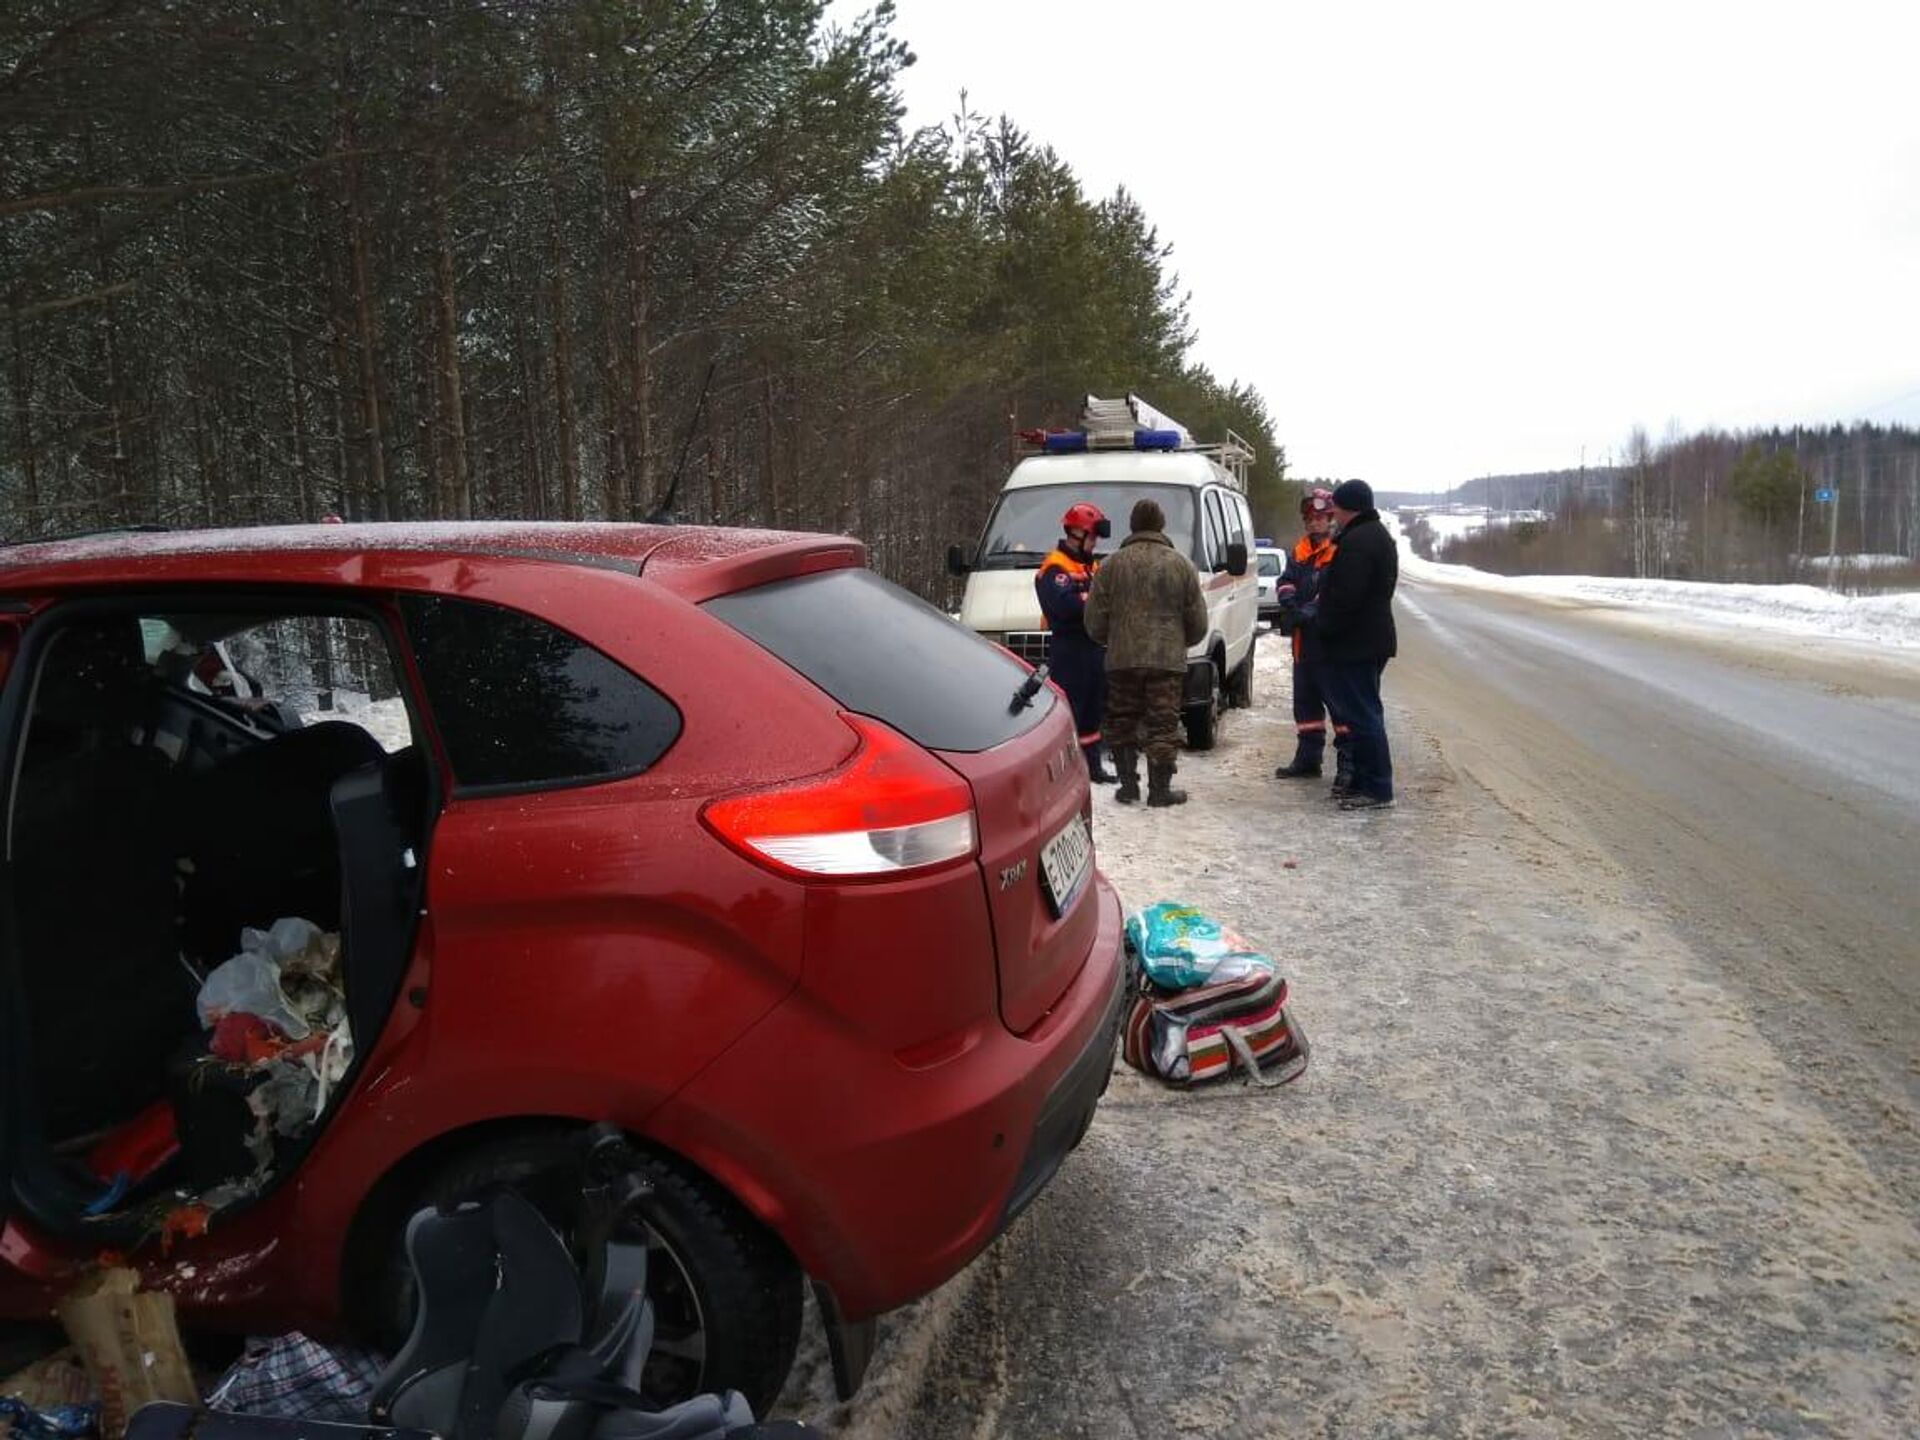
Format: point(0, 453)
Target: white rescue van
point(1125, 451)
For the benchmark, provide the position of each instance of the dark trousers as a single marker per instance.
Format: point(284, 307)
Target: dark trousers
point(1079, 667)
point(1352, 688)
point(1311, 714)
point(1143, 712)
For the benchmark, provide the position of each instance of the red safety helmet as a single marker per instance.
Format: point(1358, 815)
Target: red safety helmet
point(1084, 517)
point(1317, 501)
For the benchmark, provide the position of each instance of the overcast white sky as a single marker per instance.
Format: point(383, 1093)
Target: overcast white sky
point(1452, 239)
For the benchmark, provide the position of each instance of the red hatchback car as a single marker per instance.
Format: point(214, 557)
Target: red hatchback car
point(711, 834)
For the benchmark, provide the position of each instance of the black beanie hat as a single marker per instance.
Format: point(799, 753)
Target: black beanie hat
point(1354, 495)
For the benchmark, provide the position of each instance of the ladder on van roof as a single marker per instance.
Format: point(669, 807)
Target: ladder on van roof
point(1133, 424)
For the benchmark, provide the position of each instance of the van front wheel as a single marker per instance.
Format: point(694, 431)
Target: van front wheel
point(1240, 688)
point(1203, 721)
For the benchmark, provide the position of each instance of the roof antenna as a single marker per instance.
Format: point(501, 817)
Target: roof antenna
point(662, 513)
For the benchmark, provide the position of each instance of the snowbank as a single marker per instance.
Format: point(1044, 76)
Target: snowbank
point(1891, 619)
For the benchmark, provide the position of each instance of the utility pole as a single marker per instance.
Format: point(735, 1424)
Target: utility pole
point(1833, 531)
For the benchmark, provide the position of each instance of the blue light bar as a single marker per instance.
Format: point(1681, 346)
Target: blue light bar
point(1064, 442)
point(1156, 439)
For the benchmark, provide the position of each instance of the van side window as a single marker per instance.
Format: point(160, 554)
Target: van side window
point(1239, 519)
point(1216, 533)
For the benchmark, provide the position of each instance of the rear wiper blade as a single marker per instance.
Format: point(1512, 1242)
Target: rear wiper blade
point(1029, 688)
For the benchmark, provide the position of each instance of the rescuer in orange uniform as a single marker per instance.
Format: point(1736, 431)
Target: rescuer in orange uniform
point(1075, 661)
point(1298, 587)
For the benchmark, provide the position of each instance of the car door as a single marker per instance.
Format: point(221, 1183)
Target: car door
point(1214, 579)
point(1243, 605)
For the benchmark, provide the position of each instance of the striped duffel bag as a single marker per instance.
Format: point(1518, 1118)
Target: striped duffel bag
point(1192, 1036)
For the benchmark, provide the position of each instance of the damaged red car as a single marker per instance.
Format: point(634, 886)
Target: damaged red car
point(351, 869)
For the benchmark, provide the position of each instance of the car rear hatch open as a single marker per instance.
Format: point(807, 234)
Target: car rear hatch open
point(882, 653)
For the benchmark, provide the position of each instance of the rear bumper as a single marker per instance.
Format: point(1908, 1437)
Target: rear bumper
point(883, 1179)
point(1068, 1109)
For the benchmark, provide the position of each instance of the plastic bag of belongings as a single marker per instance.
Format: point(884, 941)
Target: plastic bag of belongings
point(1209, 1003)
point(274, 1048)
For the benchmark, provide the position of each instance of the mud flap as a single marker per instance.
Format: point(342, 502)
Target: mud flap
point(850, 1343)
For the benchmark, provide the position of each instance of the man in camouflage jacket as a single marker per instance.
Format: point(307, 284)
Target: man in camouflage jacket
point(1147, 609)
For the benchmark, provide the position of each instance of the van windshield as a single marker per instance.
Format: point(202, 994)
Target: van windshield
point(1026, 523)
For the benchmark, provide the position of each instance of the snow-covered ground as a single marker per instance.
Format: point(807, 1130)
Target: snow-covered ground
point(1449, 525)
point(1889, 619)
point(385, 720)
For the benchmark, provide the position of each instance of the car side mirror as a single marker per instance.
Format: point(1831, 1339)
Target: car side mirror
point(957, 562)
point(1236, 557)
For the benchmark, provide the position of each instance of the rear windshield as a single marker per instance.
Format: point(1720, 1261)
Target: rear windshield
point(1026, 523)
point(1270, 563)
point(881, 652)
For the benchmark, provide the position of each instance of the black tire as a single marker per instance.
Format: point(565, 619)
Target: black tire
point(726, 1295)
point(1240, 689)
point(1203, 721)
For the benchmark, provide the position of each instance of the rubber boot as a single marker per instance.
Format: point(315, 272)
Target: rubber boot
point(1160, 789)
point(1342, 773)
point(1305, 765)
point(1096, 772)
point(1127, 762)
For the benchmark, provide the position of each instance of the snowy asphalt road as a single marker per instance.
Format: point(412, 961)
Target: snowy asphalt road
point(1613, 1121)
point(1651, 701)
point(1768, 793)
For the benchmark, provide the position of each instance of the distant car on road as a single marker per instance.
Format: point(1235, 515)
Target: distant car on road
point(1268, 562)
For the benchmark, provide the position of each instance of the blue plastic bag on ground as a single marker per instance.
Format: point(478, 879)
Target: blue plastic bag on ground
point(1180, 948)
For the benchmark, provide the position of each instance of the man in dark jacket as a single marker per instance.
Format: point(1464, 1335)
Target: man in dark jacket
point(1353, 616)
point(1147, 609)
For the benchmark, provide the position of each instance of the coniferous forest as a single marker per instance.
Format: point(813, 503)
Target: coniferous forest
point(545, 258)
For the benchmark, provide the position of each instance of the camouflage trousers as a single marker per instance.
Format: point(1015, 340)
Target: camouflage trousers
point(1143, 712)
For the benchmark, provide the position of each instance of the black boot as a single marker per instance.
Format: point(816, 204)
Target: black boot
point(1097, 772)
point(1160, 789)
point(1342, 773)
point(1303, 766)
point(1127, 762)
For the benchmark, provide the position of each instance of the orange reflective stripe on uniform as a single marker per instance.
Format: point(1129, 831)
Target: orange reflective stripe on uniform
point(1311, 727)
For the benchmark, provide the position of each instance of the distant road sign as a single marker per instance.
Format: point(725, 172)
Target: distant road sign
point(1824, 495)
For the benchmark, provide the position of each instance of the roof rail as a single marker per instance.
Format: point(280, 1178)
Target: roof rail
point(1236, 457)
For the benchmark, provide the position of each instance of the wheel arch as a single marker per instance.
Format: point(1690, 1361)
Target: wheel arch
point(393, 1197)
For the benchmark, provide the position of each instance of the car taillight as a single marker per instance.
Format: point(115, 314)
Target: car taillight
point(891, 809)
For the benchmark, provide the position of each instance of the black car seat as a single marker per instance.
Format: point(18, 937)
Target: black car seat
point(504, 1347)
point(262, 843)
point(93, 844)
point(377, 815)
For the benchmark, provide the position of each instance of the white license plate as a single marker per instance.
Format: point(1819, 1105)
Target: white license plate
point(1065, 862)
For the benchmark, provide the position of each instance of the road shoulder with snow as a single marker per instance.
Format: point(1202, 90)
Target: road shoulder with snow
point(1550, 1172)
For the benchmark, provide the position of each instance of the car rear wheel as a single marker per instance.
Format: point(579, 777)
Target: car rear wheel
point(726, 1296)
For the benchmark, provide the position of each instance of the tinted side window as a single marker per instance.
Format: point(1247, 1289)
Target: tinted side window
point(881, 652)
point(520, 703)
